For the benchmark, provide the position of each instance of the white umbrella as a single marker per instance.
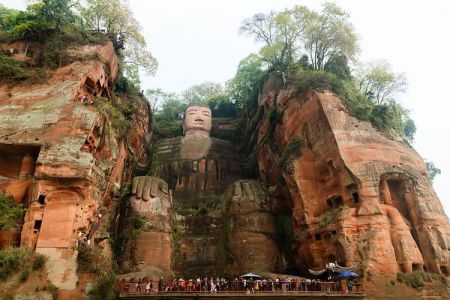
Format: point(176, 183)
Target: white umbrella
point(250, 275)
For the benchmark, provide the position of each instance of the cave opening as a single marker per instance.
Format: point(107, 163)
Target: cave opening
point(397, 190)
point(355, 197)
point(41, 199)
point(335, 202)
point(37, 225)
point(417, 267)
point(11, 156)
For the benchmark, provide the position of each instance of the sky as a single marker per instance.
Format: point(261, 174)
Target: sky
point(198, 40)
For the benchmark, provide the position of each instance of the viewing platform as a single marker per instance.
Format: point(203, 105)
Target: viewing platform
point(235, 295)
point(240, 295)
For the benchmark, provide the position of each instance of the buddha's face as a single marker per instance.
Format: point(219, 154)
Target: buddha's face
point(197, 119)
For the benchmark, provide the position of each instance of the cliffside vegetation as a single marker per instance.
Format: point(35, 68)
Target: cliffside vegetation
point(309, 50)
point(58, 24)
point(10, 214)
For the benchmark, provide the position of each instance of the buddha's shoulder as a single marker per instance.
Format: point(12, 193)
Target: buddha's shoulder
point(167, 149)
point(222, 149)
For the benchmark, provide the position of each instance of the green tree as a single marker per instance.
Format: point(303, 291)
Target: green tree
point(116, 19)
point(200, 93)
point(432, 170)
point(328, 35)
point(5, 16)
point(158, 97)
point(95, 13)
point(379, 83)
point(58, 13)
point(338, 65)
point(169, 106)
point(280, 33)
point(409, 129)
point(246, 83)
point(287, 34)
point(221, 105)
point(23, 24)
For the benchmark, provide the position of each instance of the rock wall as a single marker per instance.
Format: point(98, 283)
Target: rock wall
point(357, 196)
point(79, 161)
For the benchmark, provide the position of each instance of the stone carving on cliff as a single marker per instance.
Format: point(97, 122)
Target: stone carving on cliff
point(198, 170)
point(252, 227)
point(18, 188)
point(76, 163)
point(351, 183)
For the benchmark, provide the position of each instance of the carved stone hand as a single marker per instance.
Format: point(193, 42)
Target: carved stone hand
point(148, 187)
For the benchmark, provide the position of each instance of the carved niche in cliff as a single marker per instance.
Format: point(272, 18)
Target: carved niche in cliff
point(198, 171)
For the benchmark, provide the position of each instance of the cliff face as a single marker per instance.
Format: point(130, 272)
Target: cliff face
point(333, 188)
point(357, 196)
point(64, 159)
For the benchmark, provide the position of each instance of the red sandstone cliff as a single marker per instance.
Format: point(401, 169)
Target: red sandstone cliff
point(78, 160)
point(357, 196)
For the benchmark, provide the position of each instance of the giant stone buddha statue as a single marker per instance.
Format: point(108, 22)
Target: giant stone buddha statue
point(200, 216)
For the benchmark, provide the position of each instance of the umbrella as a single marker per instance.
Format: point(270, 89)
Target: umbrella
point(347, 274)
point(250, 275)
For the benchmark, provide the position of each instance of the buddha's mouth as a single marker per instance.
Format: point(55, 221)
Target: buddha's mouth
point(199, 121)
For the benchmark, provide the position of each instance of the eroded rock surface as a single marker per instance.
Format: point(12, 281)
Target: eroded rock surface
point(358, 196)
point(347, 192)
point(62, 158)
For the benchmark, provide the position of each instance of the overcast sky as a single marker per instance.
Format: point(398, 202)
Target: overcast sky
point(198, 41)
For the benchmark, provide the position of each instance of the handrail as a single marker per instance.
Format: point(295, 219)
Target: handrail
point(237, 287)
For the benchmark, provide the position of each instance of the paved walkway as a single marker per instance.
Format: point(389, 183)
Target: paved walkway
point(241, 295)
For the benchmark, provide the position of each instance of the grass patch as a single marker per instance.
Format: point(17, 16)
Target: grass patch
point(39, 262)
point(24, 275)
point(417, 279)
point(118, 115)
point(104, 288)
point(13, 71)
point(13, 260)
point(92, 260)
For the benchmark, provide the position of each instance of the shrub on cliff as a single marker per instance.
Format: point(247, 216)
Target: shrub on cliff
point(414, 279)
point(39, 262)
point(104, 288)
point(317, 80)
point(13, 260)
point(92, 259)
point(11, 69)
point(10, 213)
point(116, 114)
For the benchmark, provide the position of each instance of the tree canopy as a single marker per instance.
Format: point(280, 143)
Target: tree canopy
point(244, 87)
point(51, 19)
point(433, 171)
point(115, 18)
point(379, 83)
point(314, 50)
point(292, 33)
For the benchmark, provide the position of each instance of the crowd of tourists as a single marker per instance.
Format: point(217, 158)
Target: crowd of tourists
point(214, 285)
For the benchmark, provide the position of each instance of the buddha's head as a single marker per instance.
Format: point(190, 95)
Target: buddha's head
point(197, 120)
